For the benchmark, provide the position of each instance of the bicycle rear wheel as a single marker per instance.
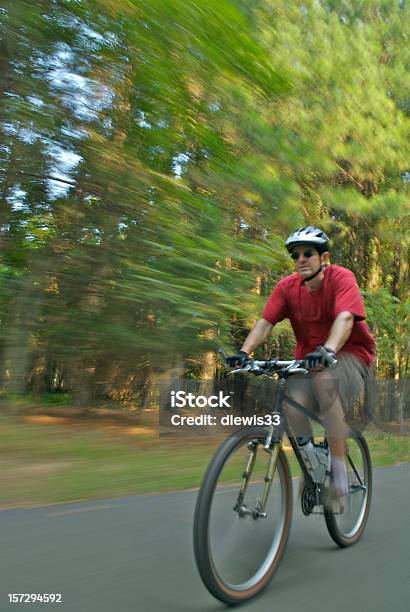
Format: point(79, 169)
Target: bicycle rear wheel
point(346, 528)
point(237, 551)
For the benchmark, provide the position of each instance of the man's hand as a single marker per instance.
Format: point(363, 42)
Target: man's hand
point(320, 358)
point(237, 360)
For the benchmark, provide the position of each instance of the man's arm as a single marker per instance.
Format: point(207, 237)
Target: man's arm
point(257, 336)
point(340, 331)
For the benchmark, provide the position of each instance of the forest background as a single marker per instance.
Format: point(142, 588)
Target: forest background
point(155, 155)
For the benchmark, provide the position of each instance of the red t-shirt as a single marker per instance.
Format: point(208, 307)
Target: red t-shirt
point(312, 313)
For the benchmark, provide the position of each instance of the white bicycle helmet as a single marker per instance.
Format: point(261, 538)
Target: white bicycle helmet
point(308, 235)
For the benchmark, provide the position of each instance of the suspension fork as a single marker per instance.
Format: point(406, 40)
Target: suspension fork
point(275, 436)
point(239, 507)
point(272, 447)
point(259, 510)
point(270, 473)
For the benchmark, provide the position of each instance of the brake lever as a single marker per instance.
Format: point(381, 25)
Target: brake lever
point(251, 367)
point(238, 371)
point(333, 363)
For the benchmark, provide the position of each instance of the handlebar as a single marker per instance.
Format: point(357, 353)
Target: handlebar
point(268, 366)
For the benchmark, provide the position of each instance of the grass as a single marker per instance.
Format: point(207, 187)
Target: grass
point(48, 460)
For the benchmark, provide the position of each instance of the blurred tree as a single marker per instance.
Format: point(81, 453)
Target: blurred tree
point(154, 157)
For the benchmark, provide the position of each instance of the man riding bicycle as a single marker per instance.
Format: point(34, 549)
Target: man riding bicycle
point(326, 311)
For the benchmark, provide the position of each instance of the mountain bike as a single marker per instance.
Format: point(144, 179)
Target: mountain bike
point(244, 506)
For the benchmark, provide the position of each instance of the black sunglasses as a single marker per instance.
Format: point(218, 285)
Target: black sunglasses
point(295, 256)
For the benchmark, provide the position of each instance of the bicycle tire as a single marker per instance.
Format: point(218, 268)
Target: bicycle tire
point(336, 523)
point(211, 576)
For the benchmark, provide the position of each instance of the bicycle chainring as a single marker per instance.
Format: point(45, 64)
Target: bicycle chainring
point(308, 499)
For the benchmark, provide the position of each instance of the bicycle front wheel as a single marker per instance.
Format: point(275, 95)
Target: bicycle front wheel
point(239, 540)
point(346, 528)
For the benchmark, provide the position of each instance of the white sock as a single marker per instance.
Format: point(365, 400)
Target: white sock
point(340, 481)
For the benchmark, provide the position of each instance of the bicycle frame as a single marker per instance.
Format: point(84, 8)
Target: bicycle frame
point(272, 445)
point(274, 438)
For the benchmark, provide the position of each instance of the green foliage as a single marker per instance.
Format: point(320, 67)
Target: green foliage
point(153, 156)
point(389, 318)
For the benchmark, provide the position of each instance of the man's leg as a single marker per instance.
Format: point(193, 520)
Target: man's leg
point(301, 391)
point(347, 389)
point(327, 390)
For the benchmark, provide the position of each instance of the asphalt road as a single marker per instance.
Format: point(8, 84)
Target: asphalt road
point(136, 553)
